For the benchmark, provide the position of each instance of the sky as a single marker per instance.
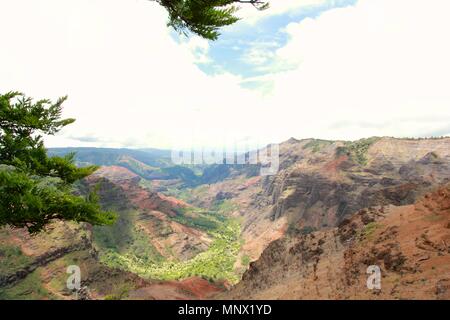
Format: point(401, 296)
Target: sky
point(325, 69)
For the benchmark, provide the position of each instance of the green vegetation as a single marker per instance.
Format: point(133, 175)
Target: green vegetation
point(186, 174)
point(140, 168)
point(216, 263)
point(245, 260)
point(28, 289)
point(307, 230)
point(120, 293)
point(146, 184)
point(316, 145)
point(124, 237)
point(187, 194)
point(295, 231)
point(422, 138)
point(225, 207)
point(288, 192)
point(357, 150)
point(153, 158)
point(199, 219)
point(58, 280)
point(12, 259)
point(36, 188)
point(126, 247)
point(369, 230)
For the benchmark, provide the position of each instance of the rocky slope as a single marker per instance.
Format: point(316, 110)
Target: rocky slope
point(410, 244)
point(34, 267)
point(333, 208)
point(149, 212)
point(320, 183)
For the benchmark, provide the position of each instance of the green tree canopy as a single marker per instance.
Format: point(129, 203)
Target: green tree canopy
point(204, 17)
point(35, 188)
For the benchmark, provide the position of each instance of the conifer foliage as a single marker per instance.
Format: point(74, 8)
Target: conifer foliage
point(204, 17)
point(36, 188)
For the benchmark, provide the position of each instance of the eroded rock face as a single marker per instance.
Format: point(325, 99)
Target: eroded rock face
point(224, 195)
point(321, 187)
point(119, 189)
point(44, 249)
point(410, 244)
point(42, 275)
point(321, 183)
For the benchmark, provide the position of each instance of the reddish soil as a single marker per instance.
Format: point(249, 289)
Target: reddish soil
point(410, 244)
point(188, 289)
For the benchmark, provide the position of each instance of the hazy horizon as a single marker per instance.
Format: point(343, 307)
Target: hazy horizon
point(221, 148)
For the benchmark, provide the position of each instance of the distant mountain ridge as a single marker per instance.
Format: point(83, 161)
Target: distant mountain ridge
point(154, 164)
point(111, 156)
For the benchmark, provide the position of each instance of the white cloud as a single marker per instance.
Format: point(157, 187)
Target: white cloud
point(382, 62)
point(260, 52)
point(277, 7)
point(379, 68)
point(129, 83)
point(199, 49)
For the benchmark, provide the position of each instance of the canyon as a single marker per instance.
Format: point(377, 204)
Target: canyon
point(223, 231)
